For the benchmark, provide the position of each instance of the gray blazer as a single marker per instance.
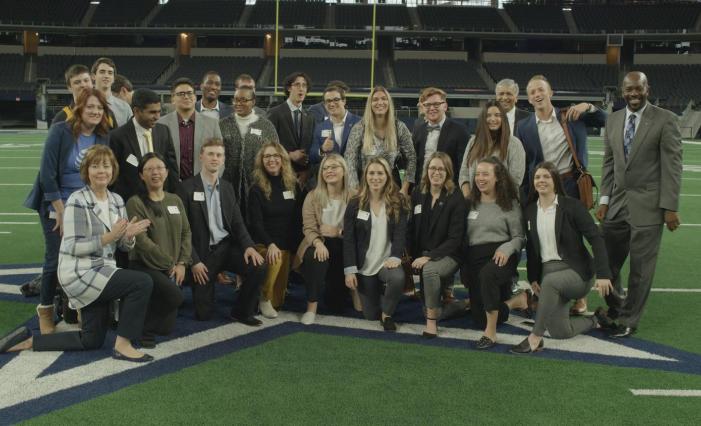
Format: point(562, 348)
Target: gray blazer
point(205, 127)
point(650, 181)
point(84, 264)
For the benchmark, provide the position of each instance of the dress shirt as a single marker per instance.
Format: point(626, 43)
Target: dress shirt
point(546, 232)
point(216, 221)
point(140, 131)
point(210, 112)
point(186, 130)
point(554, 143)
point(338, 130)
point(432, 142)
point(511, 116)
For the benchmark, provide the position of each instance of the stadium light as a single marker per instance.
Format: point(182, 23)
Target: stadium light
point(95, 2)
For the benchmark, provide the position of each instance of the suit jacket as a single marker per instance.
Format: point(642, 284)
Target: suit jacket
point(356, 237)
point(225, 109)
point(446, 231)
point(572, 222)
point(199, 218)
point(205, 127)
point(281, 117)
point(648, 183)
point(521, 114)
point(339, 145)
point(125, 145)
point(452, 141)
point(318, 111)
point(527, 132)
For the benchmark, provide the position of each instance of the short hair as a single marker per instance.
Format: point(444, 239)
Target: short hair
point(121, 82)
point(243, 77)
point(74, 70)
point(294, 76)
point(143, 97)
point(338, 89)
point(509, 84)
point(210, 72)
point(538, 77)
point(430, 91)
point(339, 84)
point(96, 154)
point(103, 60)
point(211, 142)
point(180, 81)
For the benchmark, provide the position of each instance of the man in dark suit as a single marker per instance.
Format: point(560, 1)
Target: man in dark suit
point(438, 133)
point(139, 136)
point(640, 185)
point(295, 126)
point(209, 104)
point(506, 92)
point(220, 241)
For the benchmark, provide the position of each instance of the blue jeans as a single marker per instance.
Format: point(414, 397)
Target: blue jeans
point(52, 243)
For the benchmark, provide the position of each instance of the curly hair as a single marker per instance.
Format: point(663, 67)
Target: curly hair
point(396, 203)
point(505, 188)
point(260, 176)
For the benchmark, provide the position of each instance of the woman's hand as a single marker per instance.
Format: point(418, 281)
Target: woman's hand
point(351, 281)
point(273, 255)
point(321, 253)
point(117, 231)
point(604, 287)
point(419, 262)
point(135, 227)
point(178, 274)
point(392, 263)
point(500, 258)
point(58, 208)
point(329, 231)
point(535, 287)
point(405, 188)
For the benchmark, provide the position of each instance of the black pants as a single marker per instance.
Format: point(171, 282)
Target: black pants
point(227, 256)
point(166, 297)
point(326, 276)
point(490, 285)
point(133, 288)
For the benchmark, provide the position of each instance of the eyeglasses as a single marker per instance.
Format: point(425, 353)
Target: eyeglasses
point(154, 169)
point(332, 101)
point(433, 104)
point(187, 94)
point(433, 169)
point(267, 157)
point(300, 85)
point(242, 100)
point(331, 167)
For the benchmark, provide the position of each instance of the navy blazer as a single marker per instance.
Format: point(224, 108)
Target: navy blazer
point(452, 141)
point(318, 140)
point(527, 132)
point(446, 230)
point(225, 109)
point(58, 146)
point(318, 111)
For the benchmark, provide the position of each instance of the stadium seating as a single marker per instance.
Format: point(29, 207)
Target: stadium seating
point(539, 19)
point(447, 74)
point(670, 17)
point(308, 13)
point(584, 78)
point(59, 12)
point(139, 70)
point(673, 85)
point(199, 13)
point(227, 66)
point(354, 72)
point(12, 70)
point(461, 18)
point(122, 12)
point(360, 16)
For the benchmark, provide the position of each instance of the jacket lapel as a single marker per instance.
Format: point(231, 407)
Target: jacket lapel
point(532, 128)
point(287, 116)
point(199, 187)
point(443, 136)
point(134, 140)
point(346, 131)
point(559, 215)
point(641, 131)
point(92, 200)
point(436, 211)
point(174, 133)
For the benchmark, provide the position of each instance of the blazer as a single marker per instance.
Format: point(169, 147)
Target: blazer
point(318, 111)
point(527, 133)
point(125, 145)
point(225, 109)
point(521, 114)
point(58, 146)
point(312, 212)
point(196, 211)
point(84, 264)
point(340, 141)
point(356, 237)
point(446, 230)
point(281, 117)
point(572, 221)
point(648, 183)
point(205, 127)
point(452, 141)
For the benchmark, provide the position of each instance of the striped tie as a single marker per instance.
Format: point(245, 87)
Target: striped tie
point(628, 136)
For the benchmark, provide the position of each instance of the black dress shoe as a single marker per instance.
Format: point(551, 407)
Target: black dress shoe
point(388, 324)
point(427, 335)
point(250, 321)
point(603, 319)
point(121, 357)
point(622, 331)
point(147, 342)
point(525, 347)
point(13, 338)
point(485, 343)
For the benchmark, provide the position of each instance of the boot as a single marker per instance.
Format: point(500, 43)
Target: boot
point(46, 319)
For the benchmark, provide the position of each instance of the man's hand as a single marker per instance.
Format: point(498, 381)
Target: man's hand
point(601, 212)
point(672, 220)
point(604, 287)
point(419, 262)
point(327, 146)
point(199, 273)
point(574, 112)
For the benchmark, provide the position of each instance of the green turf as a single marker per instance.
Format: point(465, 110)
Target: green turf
point(12, 314)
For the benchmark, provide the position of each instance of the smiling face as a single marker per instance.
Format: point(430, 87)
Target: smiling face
point(485, 178)
point(92, 113)
point(493, 119)
point(335, 104)
point(78, 83)
point(154, 174)
point(436, 172)
point(212, 158)
point(100, 174)
point(539, 95)
point(148, 116)
point(211, 87)
point(244, 100)
point(376, 177)
point(635, 90)
point(435, 107)
point(379, 103)
point(104, 77)
point(298, 90)
point(272, 161)
point(332, 172)
point(506, 96)
point(543, 182)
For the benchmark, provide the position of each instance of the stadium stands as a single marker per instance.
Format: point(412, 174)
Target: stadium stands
point(677, 16)
point(59, 12)
point(122, 12)
point(12, 71)
point(138, 69)
point(673, 85)
point(583, 78)
point(308, 13)
point(199, 13)
point(540, 19)
point(354, 72)
point(229, 67)
point(461, 18)
point(447, 74)
point(360, 16)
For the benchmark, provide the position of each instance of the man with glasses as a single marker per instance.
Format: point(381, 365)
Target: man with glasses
point(319, 110)
point(188, 128)
point(439, 133)
point(209, 104)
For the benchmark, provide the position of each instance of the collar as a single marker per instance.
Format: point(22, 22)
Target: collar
point(190, 121)
point(553, 116)
point(204, 108)
point(140, 130)
point(207, 185)
point(343, 121)
point(638, 114)
point(292, 106)
point(555, 203)
point(440, 123)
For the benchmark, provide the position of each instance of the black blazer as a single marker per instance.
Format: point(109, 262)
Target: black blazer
point(572, 222)
point(281, 117)
point(124, 143)
point(199, 218)
point(356, 235)
point(452, 141)
point(446, 231)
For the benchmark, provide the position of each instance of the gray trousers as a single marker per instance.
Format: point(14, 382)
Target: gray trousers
point(560, 285)
point(642, 243)
point(437, 275)
point(380, 293)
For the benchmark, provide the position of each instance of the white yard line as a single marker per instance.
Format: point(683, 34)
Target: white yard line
point(667, 392)
point(18, 223)
point(19, 214)
point(16, 184)
point(20, 271)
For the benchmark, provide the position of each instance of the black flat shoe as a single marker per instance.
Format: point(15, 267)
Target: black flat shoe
point(622, 331)
point(388, 324)
point(121, 357)
point(603, 319)
point(485, 343)
point(250, 321)
point(13, 338)
point(525, 348)
point(427, 335)
point(147, 342)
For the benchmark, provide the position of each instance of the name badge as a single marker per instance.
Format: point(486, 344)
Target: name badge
point(417, 209)
point(288, 195)
point(363, 215)
point(131, 159)
point(528, 225)
point(173, 210)
point(473, 215)
point(326, 133)
point(256, 132)
point(198, 196)
point(52, 214)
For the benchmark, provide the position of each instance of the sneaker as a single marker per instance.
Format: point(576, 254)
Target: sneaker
point(308, 318)
point(266, 308)
point(388, 324)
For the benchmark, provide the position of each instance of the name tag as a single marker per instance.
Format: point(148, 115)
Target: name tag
point(198, 196)
point(52, 214)
point(326, 133)
point(528, 225)
point(363, 215)
point(473, 215)
point(417, 209)
point(288, 195)
point(131, 159)
point(256, 132)
point(173, 210)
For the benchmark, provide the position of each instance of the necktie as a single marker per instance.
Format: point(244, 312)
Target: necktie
point(296, 116)
point(432, 127)
point(149, 141)
point(628, 135)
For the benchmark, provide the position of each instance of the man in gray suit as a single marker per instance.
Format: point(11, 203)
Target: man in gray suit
point(188, 128)
point(640, 185)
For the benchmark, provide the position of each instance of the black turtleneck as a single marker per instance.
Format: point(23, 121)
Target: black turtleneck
point(275, 220)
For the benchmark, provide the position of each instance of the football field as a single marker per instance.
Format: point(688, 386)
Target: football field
point(344, 370)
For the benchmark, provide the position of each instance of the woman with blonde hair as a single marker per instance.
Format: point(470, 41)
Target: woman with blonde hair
point(380, 134)
point(275, 202)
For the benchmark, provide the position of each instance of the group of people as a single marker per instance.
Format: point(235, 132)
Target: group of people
point(357, 204)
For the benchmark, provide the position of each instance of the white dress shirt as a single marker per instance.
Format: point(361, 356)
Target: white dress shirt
point(546, 232)
point(210, 112)
point(143, 145)
point(511, 116)
point(432, 142)
point(554, 143)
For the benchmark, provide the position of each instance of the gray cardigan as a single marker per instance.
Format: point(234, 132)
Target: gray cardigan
point(515, 162)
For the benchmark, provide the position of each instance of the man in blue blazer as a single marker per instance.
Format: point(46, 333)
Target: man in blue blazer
point(209, 104)
point(543, 136)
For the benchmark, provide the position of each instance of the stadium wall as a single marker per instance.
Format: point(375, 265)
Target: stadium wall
point(657, 59)
point(546, 58)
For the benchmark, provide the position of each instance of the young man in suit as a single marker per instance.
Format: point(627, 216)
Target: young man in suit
point(103, 72)
point(295, 126)
point(640, 185)
point(188, 128)
point(318, 110)
point(506, 92)
point(209, 104)
point(139, 136)
point(220, 241)
point(438, 133)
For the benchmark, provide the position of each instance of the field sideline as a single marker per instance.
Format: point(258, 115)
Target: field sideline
point(345, 370)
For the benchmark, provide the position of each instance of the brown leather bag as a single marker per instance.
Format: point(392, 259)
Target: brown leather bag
point(585, 181)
